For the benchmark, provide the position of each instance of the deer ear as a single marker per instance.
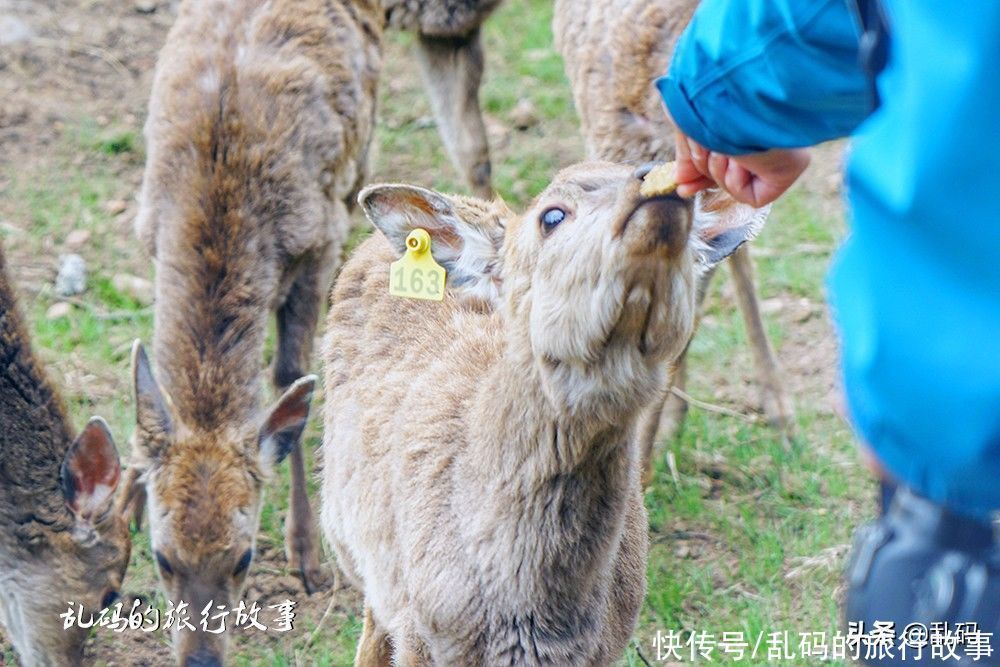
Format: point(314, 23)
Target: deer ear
point(283, 428)
point(469, 252)
point(90, 472)
point(722, 225)
point(151, 412)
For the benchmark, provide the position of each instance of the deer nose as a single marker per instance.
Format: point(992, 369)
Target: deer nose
point(202, 658)
point(641, 172)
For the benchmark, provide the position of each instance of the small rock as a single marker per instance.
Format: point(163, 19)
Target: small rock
point(762, 252)
point(424, 123)
point(524, 115)
point(77, 238)
point(72, 277)
point(70, 24)
point(135, 287)
point(773, 305)
point(58, 311)
point(805, 310)
point(14, 30)
point(115, 206)
point(145, 6)
point(497, 132)
point(10, 229)
point(812, 249)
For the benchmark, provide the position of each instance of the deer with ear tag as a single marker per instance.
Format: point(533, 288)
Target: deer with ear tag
point(481, 465)
point(63, 539)
point(614, 50)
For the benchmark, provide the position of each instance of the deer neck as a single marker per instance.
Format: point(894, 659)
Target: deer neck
point(35, 433)
point(211, 320)
point(550, 488)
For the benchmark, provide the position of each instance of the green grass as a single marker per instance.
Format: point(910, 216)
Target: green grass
point(747, 533)
point(110, 140)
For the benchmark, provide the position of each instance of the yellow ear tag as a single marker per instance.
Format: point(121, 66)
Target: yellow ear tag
point(416, 275)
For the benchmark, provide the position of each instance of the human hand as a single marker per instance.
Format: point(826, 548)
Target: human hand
point(756, 179)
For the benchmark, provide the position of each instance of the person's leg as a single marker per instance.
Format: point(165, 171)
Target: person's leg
point(927, 572)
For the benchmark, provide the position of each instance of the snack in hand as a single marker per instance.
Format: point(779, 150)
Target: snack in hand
point(660, 181)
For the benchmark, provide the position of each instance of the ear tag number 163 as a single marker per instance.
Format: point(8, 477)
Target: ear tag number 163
point(416, 275)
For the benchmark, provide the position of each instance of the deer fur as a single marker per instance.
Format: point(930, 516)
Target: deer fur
point(62, 540)
point(480, 466)
point(259, 123)
point(450, 55)
point(614, 50)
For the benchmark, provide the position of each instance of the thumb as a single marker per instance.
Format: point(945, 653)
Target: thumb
point(687, 171)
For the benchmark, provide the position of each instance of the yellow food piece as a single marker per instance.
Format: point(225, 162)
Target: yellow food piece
point(661, 180)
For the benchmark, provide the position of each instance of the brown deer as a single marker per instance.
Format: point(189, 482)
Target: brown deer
point(480, 461)
point(450, 54)
point(614, 50)
point(259, 123)
point(62, 539)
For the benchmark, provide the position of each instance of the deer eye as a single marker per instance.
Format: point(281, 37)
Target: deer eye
point(551, 217)
point(244, 563)
point(164, 564)
point(109, 599)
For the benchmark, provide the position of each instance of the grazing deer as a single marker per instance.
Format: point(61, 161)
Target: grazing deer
point(480, 461)
point(259, 123)
point(614, 50)
point(450, 55)
point(62, 539)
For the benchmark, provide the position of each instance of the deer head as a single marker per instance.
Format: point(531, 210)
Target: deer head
point(597, 284)
point(204, 493)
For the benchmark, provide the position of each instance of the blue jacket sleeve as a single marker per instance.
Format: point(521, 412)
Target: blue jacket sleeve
point(916, 287)
point(748, 75)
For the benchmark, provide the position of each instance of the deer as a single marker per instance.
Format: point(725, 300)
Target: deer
point(63, 538)
point(451, 61)
point(480, 454)
point(260, 117)
point(613, 52)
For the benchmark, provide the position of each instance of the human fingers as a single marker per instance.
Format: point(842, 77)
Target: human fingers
point(685, 171)
point(691, 188)
point(699, 155)
point(717, 164)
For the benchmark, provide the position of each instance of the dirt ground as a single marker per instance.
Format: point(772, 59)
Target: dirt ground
point(62, 60)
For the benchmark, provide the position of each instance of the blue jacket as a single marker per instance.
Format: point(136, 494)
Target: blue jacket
point(916, 287)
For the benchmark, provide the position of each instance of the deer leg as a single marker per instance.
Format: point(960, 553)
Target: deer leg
point(374, 647)
point(774, 401)
point(452, 69)
point(297, 319)
point(664, 418)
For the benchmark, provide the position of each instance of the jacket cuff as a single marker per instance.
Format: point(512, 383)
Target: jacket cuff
point(687, 120)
